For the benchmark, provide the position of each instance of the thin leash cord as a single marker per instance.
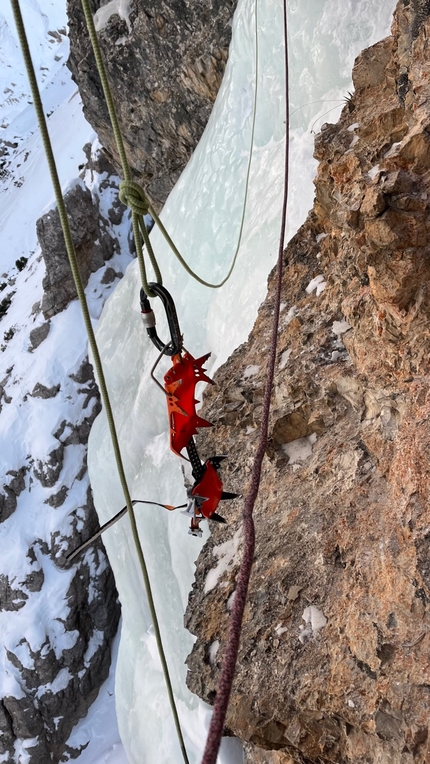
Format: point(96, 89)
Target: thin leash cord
point(94, 349)
point(132, 194)
point(232, 647)
point(110, 523)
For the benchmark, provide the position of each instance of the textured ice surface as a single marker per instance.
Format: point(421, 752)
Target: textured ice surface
point(203, 215)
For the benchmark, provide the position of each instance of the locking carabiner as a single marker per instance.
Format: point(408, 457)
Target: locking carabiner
point(174, 347)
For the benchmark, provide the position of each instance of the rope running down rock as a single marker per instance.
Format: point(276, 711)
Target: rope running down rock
point(232, 647)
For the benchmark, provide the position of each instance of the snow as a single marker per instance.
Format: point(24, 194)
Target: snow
point(213, 649)
point(203, 215)
point(299, 450)
point(250, 371)
point(315, 620)
point(227, 554)
point(279, 629)
point(317, 284)
point(284, 358)
point(120, 7)
point(340, 327)
point(373, 172)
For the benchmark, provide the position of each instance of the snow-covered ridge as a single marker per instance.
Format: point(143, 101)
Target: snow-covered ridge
point(56, 621)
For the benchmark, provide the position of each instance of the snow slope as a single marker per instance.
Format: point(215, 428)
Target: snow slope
point(25, 185)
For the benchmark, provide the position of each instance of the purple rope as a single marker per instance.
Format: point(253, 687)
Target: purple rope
point(231, 651)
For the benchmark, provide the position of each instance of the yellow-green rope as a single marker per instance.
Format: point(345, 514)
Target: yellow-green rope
point(132, 193)
point(94, 349)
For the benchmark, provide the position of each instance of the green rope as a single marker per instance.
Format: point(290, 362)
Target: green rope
point(131, 191)
point(94, 349)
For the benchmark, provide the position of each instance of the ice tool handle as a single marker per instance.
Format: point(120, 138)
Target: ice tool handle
point(174, 345)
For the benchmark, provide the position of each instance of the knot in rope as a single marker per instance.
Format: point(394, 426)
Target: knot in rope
point(133, 195)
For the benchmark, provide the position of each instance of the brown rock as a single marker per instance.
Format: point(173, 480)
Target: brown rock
point(345, 527)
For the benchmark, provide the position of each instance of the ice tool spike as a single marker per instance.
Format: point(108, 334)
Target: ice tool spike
point(180, 384)
point(218, 518)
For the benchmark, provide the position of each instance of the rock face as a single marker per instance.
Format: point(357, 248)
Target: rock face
point(333, 664)
point(165, 62)
point(92, 243)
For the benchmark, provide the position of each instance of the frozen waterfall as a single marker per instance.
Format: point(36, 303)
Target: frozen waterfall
point(202, 214)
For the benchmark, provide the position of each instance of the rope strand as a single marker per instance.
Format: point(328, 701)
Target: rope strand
point(95, 351)
point(232, 648)
point(133, 195)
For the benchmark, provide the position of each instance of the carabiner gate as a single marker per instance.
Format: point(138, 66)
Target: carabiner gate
point(174, 347)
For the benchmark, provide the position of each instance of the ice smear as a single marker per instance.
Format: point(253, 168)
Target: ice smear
point(317, 284)
point(299, 450)
point(102, 16)
point(227, 555)
point(251, 371)
point(340, 327)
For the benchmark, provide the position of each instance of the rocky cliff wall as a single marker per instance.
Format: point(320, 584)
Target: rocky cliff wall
point(165, 62)
point(333, 663)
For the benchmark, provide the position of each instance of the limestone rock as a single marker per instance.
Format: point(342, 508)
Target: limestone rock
point(338, 672)
point(38, 334)
point(164, 89)
point(41, 391)
point(12, 489)
point(91, 246)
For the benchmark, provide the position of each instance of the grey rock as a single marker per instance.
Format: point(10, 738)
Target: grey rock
point(91, 246)
point(17, 484)
point(84, 374)
point(37, 307)
point(8, 499)
point(39, 334)
point(109, 276)
point(7, 736)
point(57, 499)
point(10, 599)
point(7, 504)
point(48, 472)
point(179, 52)
point(40, 391)
point(26, 723)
